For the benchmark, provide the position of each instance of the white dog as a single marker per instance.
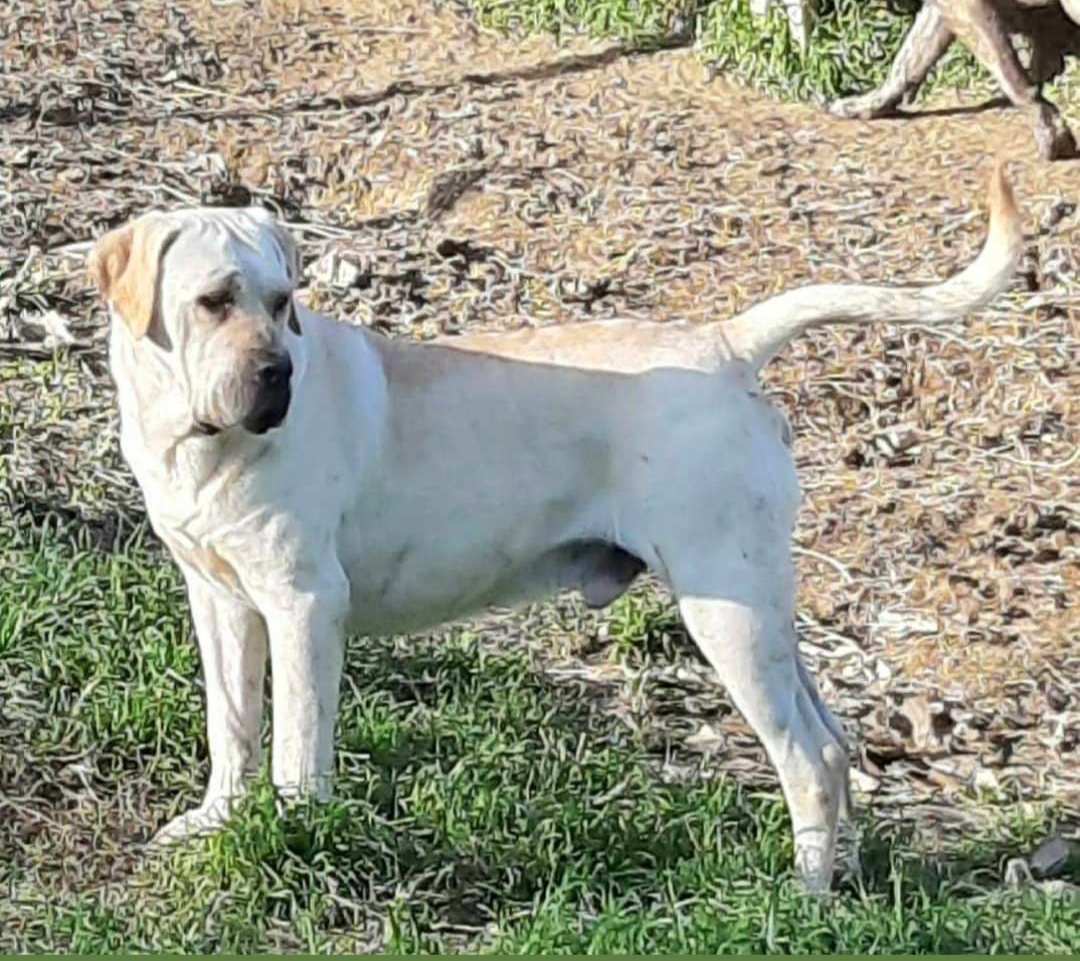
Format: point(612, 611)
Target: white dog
point(313, 479)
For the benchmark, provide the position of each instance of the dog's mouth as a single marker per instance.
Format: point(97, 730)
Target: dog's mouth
point(273, 392)
point(206, 429)
point(269, 413)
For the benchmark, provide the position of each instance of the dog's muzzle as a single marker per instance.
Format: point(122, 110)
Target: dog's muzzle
point(273, 392)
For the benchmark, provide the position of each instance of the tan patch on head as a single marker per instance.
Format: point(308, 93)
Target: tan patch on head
point(245, 334)
point(125, 266)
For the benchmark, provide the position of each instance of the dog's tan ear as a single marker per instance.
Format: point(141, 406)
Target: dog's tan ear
point(125, 265)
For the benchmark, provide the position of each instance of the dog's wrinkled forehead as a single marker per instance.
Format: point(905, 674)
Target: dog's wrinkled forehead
point(210, 240)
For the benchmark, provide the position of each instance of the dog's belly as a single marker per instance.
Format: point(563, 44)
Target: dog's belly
point(408, 589)
point(412, 595)
point(414, 561)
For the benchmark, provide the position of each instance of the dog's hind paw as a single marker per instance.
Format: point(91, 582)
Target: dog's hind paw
point(208, 818)
point(867, 107)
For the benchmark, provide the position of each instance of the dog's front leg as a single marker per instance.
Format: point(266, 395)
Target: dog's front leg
point(232, 644)
point(307, 641)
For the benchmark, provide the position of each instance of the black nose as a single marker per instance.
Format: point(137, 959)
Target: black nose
point(275, 374)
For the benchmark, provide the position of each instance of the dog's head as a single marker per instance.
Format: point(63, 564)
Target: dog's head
point(209, 290)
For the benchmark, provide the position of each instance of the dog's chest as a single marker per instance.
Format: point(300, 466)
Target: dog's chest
point(207, 562)
point(208, 506)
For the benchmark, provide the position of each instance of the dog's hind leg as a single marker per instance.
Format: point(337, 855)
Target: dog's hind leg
point(925, 44)
point(1054, 35)
point(740, 615)
point(979, 25)
point(847, 834)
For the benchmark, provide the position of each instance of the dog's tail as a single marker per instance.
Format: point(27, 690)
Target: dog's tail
point(759, 333)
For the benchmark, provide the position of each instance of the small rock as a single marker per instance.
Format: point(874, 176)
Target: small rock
point(56, 328)
point(72, 175)
point(217, 165)
point(705, 740)
point(335, 271)
point(1050, 858)
point(1056, 213)
point(863, 782)
point(1057, 698)
point(985, 780)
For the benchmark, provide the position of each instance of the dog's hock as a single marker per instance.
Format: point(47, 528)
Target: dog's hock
point(986, 28)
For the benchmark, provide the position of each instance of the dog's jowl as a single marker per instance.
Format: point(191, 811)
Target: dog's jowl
point(314, 479)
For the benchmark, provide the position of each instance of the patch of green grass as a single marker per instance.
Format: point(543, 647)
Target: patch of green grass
point(481, 805)
point(97, 637)
point(643, 626)
point(632, 20)
point(850, 50)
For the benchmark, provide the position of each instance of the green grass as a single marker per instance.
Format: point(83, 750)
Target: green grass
point(850, 50)
point(481, 804)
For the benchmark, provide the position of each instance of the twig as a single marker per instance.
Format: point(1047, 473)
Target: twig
point(13, 285)
point(41, 352)
point(825, 559)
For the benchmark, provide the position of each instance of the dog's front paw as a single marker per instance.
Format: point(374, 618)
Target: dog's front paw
point(208, 818)
point(292, 791)
point(814, 854)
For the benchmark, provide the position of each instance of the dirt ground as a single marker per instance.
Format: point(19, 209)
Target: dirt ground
point(439, 177)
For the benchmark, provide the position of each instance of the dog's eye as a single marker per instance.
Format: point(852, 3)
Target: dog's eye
point(218, 302)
